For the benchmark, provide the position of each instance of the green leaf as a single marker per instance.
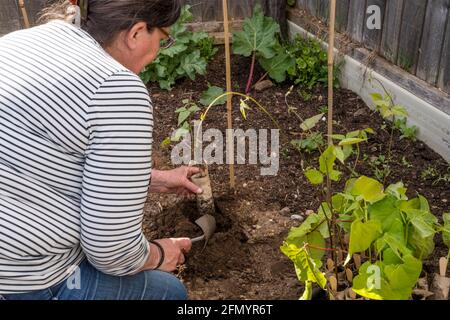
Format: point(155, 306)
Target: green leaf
point(363, 234)
point(388, 282)
point(369, 283)
point(306, 227)
point(316, 240)
point(396, 244)
point(211, 94)
point(404, 276)
point(370, 189)
point(258, 35)
point(192, 64)
point(399, 111)
point(446, 229)
point(183, 116)
point(398, 190)
point(278, 66)
point(340, 155)
point(376, 97)
point(351, 141)
point(423, 246)
point(306, 267)
point(314, 176)
point(180, 133)
point(177, 48)
point(387, 212)
point(327, 159)
point(310, 123)
point(307, 294)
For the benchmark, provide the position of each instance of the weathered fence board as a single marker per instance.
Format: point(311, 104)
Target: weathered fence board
point(323, 9)
point(372, 37)
point(311, 6)
point(33, 8)
point(415, 34)
point(432, 40)
point(411, 34)
point(356, 14)
point(342, 7)
point(391, 29)
point(444, 73)
point(9, 16)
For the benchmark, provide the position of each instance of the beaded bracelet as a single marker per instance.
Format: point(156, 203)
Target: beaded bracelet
point(161, 254)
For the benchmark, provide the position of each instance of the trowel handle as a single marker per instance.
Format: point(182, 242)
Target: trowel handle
point(198, 239)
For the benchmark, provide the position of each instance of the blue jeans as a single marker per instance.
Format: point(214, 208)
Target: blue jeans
point(95, 285)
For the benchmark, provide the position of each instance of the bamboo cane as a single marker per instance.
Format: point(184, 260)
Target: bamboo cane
point(330, 69)
point(330, 118)
point(230, 144)
point(22, 7)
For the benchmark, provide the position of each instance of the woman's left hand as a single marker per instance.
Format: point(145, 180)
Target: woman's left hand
point(176, 181)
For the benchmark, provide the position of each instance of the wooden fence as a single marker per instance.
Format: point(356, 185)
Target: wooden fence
point(415, 34)
point(203, 10)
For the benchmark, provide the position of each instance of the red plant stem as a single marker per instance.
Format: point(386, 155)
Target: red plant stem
point(250, 76)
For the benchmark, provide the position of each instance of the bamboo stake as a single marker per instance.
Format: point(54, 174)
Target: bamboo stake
point(330, 119)
point(330, 69)
point(230, 144)
point(26, 21)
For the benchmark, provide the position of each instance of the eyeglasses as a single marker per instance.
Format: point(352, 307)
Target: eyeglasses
point(167, 43)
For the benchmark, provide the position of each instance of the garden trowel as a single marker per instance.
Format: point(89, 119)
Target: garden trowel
point(208, 225)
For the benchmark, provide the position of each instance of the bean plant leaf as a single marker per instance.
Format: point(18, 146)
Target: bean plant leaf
point(305, 267)
point(307, 294)
point(211, 94)
point(259, 35)
point(369, 189)
point(388, 282)
point(446, 229)
point(310, 123)
point(351, 141)
point(314, 176)
point(362, 235)
point(398, 190)
point(386, 211)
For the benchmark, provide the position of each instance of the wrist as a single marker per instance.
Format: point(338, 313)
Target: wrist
point(154, 257)
point(157, 255)
point(157, 182)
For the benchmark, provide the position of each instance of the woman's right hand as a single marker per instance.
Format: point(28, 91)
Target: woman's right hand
point(174, 251)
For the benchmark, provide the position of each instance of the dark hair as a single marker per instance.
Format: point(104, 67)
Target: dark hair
point(107, 18)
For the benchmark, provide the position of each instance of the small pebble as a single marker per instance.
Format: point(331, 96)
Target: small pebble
point(309, 212)
point(285, 211)
point(244, 185)
point(297, 217)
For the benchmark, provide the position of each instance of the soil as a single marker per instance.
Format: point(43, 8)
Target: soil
point(243, 260)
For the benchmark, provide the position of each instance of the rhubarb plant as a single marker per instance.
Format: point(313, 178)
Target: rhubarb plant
point(259, 40)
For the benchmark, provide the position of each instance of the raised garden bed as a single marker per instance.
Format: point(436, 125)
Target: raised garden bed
point(243, 260)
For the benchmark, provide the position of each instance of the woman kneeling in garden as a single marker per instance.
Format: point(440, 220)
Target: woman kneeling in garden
point(75, 161)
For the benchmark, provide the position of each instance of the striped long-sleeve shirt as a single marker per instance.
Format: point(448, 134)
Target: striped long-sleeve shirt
point(75, 158)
